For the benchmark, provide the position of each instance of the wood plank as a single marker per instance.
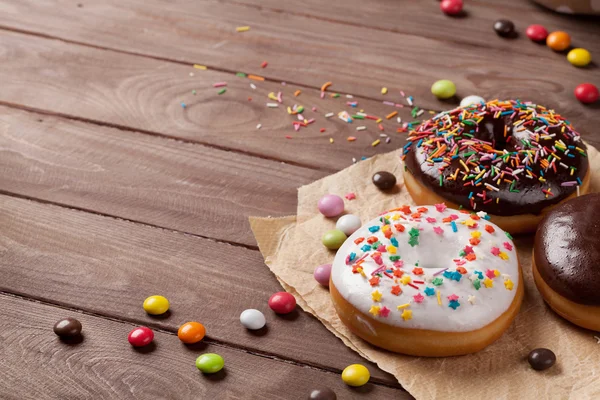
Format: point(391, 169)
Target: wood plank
point(107, 266)
point(163, 182)
point(36, 364)
point(146, 94)
point(358, 59)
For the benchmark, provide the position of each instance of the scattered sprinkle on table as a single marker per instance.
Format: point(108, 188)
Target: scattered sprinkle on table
point(242, 28)
point(264, 64)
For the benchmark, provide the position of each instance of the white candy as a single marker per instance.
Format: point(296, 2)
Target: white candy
point(252, 319)
point(473, 99)
point(348, 224)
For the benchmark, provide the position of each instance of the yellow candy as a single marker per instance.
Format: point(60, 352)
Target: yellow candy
point(156, 305)
point(579, 57)
point(355, 375)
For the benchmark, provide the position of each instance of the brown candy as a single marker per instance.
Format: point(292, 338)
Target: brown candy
point(68, 328)
point(322, 394)
point(384, 180)
point(504, 27)
point(541, 359)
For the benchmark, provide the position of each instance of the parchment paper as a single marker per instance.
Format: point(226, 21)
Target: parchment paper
point(292, 249)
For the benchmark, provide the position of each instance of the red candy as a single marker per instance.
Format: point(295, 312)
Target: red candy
point(587, 93)
point(451, 7)
point(282, 303)
point(140, 337)
point(536, 33)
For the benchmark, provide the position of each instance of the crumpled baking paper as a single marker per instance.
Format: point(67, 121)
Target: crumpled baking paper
point(292, 249)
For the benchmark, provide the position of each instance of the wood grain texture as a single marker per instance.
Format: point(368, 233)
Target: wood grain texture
point(109, 267)
point(358, 58)
point(159, 181)
point(147, 94)
point(35, 364)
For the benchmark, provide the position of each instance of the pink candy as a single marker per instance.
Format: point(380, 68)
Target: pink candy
point(331, 205)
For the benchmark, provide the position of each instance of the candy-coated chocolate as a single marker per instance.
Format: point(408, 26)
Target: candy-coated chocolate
point(443, 89)
point(558, 41)
point(579, 57)
point(587, 93)
point(541, 359)
point(331, 205)
point(68, 327)
point(451, 7)
point(252, 319)
point(472, 99)
point(156, 305)
point(191, 332)
point(141, 336)
point(322, 274)
point(384, 180)
point(322, 393)
point(210, 363)
point(536, 33)
point(355, 375)
point(333, 239)
point(282, 303)
point(504, 27)
point(348, 223)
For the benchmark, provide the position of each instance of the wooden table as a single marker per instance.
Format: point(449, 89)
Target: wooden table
point(118, 181)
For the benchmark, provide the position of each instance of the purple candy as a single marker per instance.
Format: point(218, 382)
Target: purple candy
point(331, 205)
point(322, 274)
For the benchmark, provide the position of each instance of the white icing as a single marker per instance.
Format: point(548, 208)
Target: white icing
point(433, 253)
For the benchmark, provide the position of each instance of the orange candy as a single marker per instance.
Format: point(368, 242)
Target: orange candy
point(558, 41)
point(191, 332)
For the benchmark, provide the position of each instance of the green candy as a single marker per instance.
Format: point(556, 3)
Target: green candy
point(333, 239)
point(210, 363)
point(443, 89)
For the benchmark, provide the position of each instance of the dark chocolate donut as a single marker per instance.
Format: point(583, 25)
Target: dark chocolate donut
point(502, 157)
point(567, 249)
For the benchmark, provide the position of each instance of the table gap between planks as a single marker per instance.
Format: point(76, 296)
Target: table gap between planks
point(99, 157)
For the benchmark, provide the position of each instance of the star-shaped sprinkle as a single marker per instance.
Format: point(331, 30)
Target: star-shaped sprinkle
point(398, 263)
point(417, 271)
point(350, 196)
point(483, 214)
point(503, 255)
point(471, 299)
point(476, 234)
point(508, 246)
point(490, 273)
point(405, 279)
point(440, 207)
point(454, 304)
point(509, 284)
point(453, 297)
point(488, 283)
point(381, 248)
point(470, 223)
point(438, 230)
point(391, 249)
point(376, 295)
point(495, 251)
point(398, 273)
point(394, 242)
point(474, 241)
point(477, 284)
point(396, 217)
point(374, 281)
point(375, 310)
point(396, 290)
point(437, 281)
point(418, 298)
point(461, 270)
point(399, 227)
point(430, 220)
point(429, 291)
point(489, 229)
point(468, 250)
point(406, 209)
point(384, 312)
point(406, 315)
point(471, 257)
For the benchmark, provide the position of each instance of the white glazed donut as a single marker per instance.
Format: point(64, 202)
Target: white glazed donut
point(428, 281)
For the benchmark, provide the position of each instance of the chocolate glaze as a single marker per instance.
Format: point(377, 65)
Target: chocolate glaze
point(567, 249)
point(529, 200)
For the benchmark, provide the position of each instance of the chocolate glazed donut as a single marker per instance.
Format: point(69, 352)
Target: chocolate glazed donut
point(567, 250)
point(506, 158)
